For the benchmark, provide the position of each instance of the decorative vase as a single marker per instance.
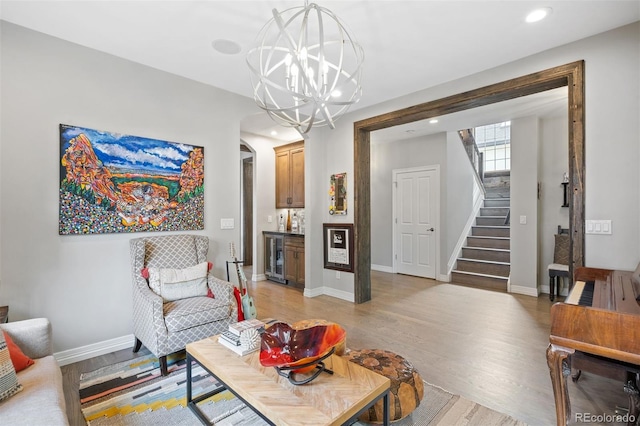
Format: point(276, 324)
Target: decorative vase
point(300, 349)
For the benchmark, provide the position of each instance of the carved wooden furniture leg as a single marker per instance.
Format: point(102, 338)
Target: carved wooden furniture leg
point(559, 368)
point(631, 389)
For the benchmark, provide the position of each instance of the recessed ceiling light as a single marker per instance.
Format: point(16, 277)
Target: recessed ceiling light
point(434, 121)
point(274, 133)
point(336, 93)
point(538, 14)
point(227, 47)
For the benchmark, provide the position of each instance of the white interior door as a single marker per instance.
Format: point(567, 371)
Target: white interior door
point(416, 221)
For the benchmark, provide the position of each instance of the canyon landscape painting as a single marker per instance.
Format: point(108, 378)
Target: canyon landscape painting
point(112, 183)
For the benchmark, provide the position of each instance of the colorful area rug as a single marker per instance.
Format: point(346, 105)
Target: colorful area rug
point(133, 393)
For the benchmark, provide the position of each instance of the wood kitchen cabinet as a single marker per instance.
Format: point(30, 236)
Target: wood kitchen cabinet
point(294, 260)
point(290, 175)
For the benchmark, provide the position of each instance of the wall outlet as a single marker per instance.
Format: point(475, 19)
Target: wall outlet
point(269, 219)
point(523, 220)
point(337, 275)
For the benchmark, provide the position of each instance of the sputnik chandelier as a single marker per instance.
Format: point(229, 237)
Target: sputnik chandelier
point(305, 68)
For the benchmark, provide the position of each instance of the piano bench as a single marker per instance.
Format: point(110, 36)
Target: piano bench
point(557, 272)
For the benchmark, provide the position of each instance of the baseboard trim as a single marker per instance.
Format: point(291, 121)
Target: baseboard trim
point(259, 277)
point(564, 292)
point(340, 294)
point(95, 349)
point(527, 291)
point(445, 278)
point(382, 268)
point(328, 291)
point(313, 292)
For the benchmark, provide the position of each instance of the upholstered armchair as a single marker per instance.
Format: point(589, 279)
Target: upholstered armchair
point(165, 325)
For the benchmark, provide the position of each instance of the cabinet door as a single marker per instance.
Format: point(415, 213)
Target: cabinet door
point(283, 180)
point(290, 263)
point(294, 260)
point(297, 177)
point(300, 262)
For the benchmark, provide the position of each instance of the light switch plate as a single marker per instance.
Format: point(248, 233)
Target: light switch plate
point(599, 227)
point(226, 223)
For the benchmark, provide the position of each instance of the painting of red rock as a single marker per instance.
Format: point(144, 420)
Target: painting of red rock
point(111, 182)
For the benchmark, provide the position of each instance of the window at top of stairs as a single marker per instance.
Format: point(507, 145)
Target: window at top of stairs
point(494, 141)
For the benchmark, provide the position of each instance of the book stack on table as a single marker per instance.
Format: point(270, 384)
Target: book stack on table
point(231, 338)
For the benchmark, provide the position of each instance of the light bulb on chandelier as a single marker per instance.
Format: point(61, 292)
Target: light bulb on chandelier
point(305, 68)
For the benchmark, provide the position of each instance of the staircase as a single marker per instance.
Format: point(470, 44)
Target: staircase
point(485, 259)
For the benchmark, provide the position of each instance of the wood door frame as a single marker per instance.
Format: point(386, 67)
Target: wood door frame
point(570, 75)
point(394, 193)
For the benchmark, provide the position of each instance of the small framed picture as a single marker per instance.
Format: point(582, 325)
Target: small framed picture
point(338, 246)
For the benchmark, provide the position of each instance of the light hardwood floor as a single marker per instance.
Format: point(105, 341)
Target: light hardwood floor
point(487, 346)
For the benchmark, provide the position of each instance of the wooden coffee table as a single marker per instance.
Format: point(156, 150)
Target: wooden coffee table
point(330, 399)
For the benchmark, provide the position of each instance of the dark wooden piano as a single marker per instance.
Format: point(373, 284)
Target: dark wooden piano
point(596, 328)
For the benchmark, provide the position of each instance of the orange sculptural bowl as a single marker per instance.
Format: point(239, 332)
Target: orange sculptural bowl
point(300, 344)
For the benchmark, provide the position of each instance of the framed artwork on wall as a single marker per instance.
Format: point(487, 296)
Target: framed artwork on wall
point(338, 194)
point(338, 246)
point(110, 183)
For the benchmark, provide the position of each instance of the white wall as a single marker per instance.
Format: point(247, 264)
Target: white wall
point(524, 204)
point(386, 157)
point(612, 181)
point(83, 283)
point(323, 160)
point(316, 210)
point(612, 129)
point(554, 133)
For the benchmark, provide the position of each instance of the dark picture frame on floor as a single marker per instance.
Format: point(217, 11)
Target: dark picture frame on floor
point(338, 246)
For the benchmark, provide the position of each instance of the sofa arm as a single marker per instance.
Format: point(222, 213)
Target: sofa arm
point(33, 336)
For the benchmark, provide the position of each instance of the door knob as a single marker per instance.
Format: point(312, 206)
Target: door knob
point(432, 229)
